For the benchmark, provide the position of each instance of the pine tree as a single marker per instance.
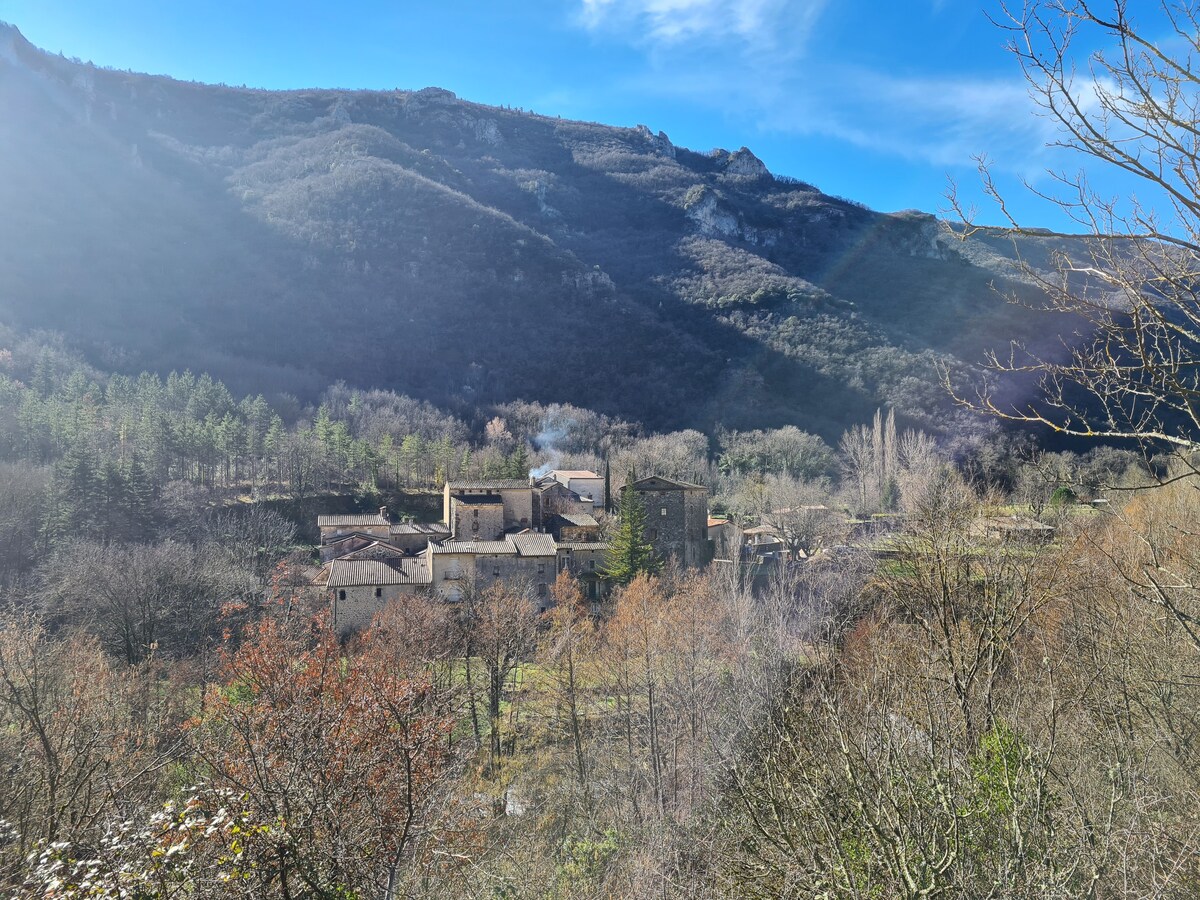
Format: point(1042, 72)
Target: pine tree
point(629, 553)
point(517, 465)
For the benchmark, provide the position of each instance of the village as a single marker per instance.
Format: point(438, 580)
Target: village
point(527, 532)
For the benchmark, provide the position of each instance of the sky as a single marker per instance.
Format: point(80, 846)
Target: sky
point(879, 102)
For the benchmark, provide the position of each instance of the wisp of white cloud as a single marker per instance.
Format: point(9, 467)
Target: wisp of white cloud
point(762, 25)
point(751, 60)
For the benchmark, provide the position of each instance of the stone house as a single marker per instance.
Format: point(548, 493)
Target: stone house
point(457, 567)
point(359, 588)
point(551, 497)
point(414, 537)
point(726, 538)
point(376, 525)
point(346, 544)
point(584, 562)
point(588, 485)
point(574, 528)
point(676, 519)
point(761, 543)
point(476, 517)
point(516, 504)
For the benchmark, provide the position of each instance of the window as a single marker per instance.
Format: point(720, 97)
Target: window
point(475, 513)
point(652, 534)
point(496, 571)
point(662, 511)
point(591, 564)
point(541, 568)
point(341, 595)
point(542, 589)
point(378, 592)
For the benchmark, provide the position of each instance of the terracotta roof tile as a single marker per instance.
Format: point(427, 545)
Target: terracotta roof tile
point(375, 572)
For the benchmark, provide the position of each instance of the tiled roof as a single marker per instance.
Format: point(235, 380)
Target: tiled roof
point(533, 544)
point(574, 473)
point(479, 499)
point(420, 528)
point(476, 547)
point(350, 520)
point(377, 548)
point(375, 572)
point(577, 545)
point(496, 484)
point(583, 520)
point(352, 536)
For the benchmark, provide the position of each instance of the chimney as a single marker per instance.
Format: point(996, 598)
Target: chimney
point(383, 512)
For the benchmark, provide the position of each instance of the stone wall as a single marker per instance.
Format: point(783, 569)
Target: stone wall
point(355, 607)
point(677, 525)
point(476, 521)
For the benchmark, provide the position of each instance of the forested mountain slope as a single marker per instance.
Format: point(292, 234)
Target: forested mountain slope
point(466, 254)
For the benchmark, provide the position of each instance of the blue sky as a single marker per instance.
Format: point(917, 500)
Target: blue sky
point(879, 102)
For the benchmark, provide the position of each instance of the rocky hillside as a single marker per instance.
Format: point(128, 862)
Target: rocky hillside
point(465, 254)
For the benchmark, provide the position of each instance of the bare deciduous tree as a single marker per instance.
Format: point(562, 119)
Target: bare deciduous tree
point(1129, 287)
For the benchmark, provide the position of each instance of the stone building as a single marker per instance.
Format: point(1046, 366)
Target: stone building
point(588, 485)
point(552, 497)
point(584, 562)
point(676, 519)
point(343, 534)
point(516, 505)
point(458, 567)
point(726, 538)
point(574, 528)
point(476, 517)
point(360, 588)
point(414, 537)
point(340, 546)
point(333, 528)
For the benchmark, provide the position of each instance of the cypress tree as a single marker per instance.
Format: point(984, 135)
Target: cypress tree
point(629, 553)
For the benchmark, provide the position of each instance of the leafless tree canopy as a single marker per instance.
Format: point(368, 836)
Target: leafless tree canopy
point(1129, 370)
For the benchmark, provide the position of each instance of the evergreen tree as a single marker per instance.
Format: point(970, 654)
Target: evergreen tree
point(629, 553)
point(412, 449)
point(73, 496)
point(518, 463)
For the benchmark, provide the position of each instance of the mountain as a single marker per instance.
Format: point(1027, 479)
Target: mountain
point(468, 254)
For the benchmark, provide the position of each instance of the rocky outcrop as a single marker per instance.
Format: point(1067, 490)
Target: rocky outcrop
point(711, 214)
point(715, 217)
point(659, 143)
point(430, 97)
point(487, 131)
point(595, 283)
point(744, 164)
